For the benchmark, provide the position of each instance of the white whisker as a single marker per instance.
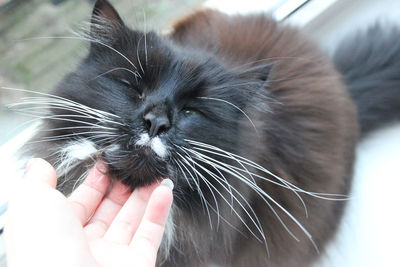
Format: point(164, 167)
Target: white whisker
point(197, 185)
point(228, 168)
point(259, 167)
point(115, 69)
point(61, 99)
point(242, 178)
point(137, 54)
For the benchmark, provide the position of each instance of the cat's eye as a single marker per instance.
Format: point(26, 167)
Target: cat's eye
point(189, 111)
point(125, 82)
point(128, 84)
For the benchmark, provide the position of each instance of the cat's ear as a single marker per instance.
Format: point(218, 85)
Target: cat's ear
point(103, 10)
point(105, 22)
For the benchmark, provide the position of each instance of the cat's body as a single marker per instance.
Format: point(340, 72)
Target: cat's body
point(227, 107)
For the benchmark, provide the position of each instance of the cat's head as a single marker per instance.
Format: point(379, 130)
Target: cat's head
point(150, 108)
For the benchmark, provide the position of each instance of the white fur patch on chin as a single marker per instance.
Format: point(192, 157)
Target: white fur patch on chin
point(155, 143)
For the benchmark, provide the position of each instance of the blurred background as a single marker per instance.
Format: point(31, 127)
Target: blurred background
point(38, 64)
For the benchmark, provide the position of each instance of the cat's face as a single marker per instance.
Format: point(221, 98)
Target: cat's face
point(155, 99)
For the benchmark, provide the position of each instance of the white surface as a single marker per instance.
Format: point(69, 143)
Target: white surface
point(279, 9)
point(347, 17)
point(233, 7)
point(370, 232)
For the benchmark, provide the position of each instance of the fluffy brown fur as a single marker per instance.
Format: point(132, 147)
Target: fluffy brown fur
point(308, 138)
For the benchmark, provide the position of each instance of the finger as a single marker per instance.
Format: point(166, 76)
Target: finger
point(107, 210)
point(40, 170)
point(87, 197)
point(127, 221)
point(37, 212)
point(150, 231)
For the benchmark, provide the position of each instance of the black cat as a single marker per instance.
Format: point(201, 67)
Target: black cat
point(249, 119)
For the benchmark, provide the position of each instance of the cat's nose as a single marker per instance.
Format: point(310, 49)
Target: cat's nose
point(156, 124)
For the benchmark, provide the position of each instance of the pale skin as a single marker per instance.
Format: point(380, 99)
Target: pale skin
point(89, 228)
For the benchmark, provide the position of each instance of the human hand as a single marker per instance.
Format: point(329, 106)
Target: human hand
point(89, 228)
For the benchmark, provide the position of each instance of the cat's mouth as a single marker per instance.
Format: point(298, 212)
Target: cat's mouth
point(142, 166)
point(154, 144)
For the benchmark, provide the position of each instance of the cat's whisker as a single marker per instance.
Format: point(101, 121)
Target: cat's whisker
point(64, 118)
point(214, 150)
point(252, 175)
point(75, 128)
point(202, 177)
point(259, 167)
point(204, 201)
point(44, 115)
point(258, 225)
point(80, 179)
point(138, 56)
point(145, 35)
point(272, 60)
point(260, 191)
point(44, 106)
point(68, 101)
point(115, 69)
point(42, 102)
point(179, 163)
point(227, 168)
point(180, 148)
point(68, 136)
point(184, 150)
point(228, 203)
point(93, 133)
point(197, 183)
point(219, 179)
point(183, 173)
point(36, 111)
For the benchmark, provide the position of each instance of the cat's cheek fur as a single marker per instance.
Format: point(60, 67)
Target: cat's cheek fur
point(79, 150)
point(73, 154)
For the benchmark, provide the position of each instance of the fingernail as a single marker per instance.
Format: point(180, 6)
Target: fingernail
point(168, 183)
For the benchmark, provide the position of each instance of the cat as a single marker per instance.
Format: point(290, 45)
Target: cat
point(254, 124)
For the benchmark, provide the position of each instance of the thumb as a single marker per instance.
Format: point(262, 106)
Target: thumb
point(41, 171)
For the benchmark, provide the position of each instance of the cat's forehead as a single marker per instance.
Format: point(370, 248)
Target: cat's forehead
point(158, 66)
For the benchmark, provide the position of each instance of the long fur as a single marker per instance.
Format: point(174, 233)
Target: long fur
point(370, 64)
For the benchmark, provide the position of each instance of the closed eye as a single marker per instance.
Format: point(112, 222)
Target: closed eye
point(189, 112)
point(124, 82)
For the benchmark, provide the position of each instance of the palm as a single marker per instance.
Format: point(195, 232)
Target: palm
point(120, 232)
point(91, 227)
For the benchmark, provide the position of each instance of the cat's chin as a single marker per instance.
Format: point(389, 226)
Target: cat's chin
point(138, 178)
point(142, 168)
